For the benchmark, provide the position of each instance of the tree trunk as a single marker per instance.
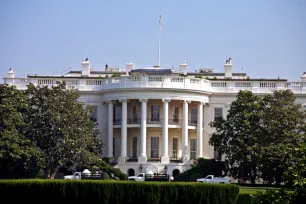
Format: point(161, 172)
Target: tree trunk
point(53, 171)
point(253, 176)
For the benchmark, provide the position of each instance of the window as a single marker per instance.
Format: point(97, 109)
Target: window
point(114, 146)
point(94, 113)
point(194, 115)
point(217, 154)
point(117, 115)
point(134, 147)
point(175, 114)
point(154, 147)
point(218, 113)
point(135, 114)
point(155, 113)
point(193, 148)
point(174, 148)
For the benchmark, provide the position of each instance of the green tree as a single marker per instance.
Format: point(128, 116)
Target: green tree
point(295, 174)
point(18, 154)
point(238, 136)
point(283, 125)
point(61, 128)
point(259, 134)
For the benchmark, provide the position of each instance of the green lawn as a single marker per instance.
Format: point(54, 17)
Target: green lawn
point(253, 190)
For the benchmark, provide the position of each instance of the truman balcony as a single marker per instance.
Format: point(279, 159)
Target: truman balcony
point(172, 123)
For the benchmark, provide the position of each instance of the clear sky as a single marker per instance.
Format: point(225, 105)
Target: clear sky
point(267, 38)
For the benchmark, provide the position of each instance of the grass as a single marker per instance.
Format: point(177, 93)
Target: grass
point(253, 190)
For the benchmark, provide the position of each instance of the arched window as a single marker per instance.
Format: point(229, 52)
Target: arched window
point(175, 172)
point(131, 172)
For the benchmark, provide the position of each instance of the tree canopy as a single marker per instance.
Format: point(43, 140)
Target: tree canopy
point(17, 153)
point(61, 128)
point(46, 126)
point(259, 134)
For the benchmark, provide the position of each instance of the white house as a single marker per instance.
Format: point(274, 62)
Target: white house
point(156, 118)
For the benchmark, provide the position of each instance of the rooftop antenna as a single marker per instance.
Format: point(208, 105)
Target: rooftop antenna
point(160, 24)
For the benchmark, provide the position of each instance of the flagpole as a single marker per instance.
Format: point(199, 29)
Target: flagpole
point(159, 39)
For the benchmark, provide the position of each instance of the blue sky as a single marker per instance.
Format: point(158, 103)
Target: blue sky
point(267, 38)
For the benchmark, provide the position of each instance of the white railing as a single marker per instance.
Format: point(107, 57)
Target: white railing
point(45, 82)
point(168, 82)
point(93, 82)
point(218, 84)
point(243, 84)
point(267, 84)
point(177, 79)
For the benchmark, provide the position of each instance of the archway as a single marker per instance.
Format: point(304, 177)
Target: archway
point(131, 172)
point(175, 173)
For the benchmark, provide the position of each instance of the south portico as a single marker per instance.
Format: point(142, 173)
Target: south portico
point(185, 117)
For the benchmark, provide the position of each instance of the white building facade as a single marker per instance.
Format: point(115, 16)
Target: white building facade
point(157, 119)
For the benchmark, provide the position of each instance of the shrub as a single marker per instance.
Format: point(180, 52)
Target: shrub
point(106, 176)
point(244, 198)
point(195, 176)
point(272, 197)
point(204, 167)
point(90, 191)
point(110, 170)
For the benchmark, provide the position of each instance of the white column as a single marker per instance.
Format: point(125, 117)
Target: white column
point(143, 132)
point(123, 132)
point(165, 157)
point(110, 129)
point(185, 131)
point(200, 130)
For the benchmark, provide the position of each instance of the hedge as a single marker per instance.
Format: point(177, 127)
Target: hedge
point(244, 198)
point(90, 191)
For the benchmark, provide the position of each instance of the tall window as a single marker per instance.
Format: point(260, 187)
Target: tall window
point(155, 113)
point(194, 116)
point(174, 148)
point(134, 114)
point(134, 147)
point(154, 147)
point(217, 154)
point(175, 114)
point(114, 147)
point(94, 113)
point(193, 148)
point(218, 113)
point(117, 115)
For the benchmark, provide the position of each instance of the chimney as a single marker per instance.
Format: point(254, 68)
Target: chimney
point(303, 78)
point(228, 68)
point(85, 67)
point(129, 67)
point(11, 74)
point(183, 68)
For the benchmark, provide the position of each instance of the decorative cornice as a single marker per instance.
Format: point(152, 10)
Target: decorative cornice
point(167, 100)
point(143, 100)
point(124, 100)
point(107, 102)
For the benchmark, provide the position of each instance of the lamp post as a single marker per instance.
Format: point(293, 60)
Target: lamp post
point(166, 168)
point(140, 168)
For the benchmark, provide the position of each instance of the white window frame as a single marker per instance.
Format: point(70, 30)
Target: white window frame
point(193, 148)
point(154, 147)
